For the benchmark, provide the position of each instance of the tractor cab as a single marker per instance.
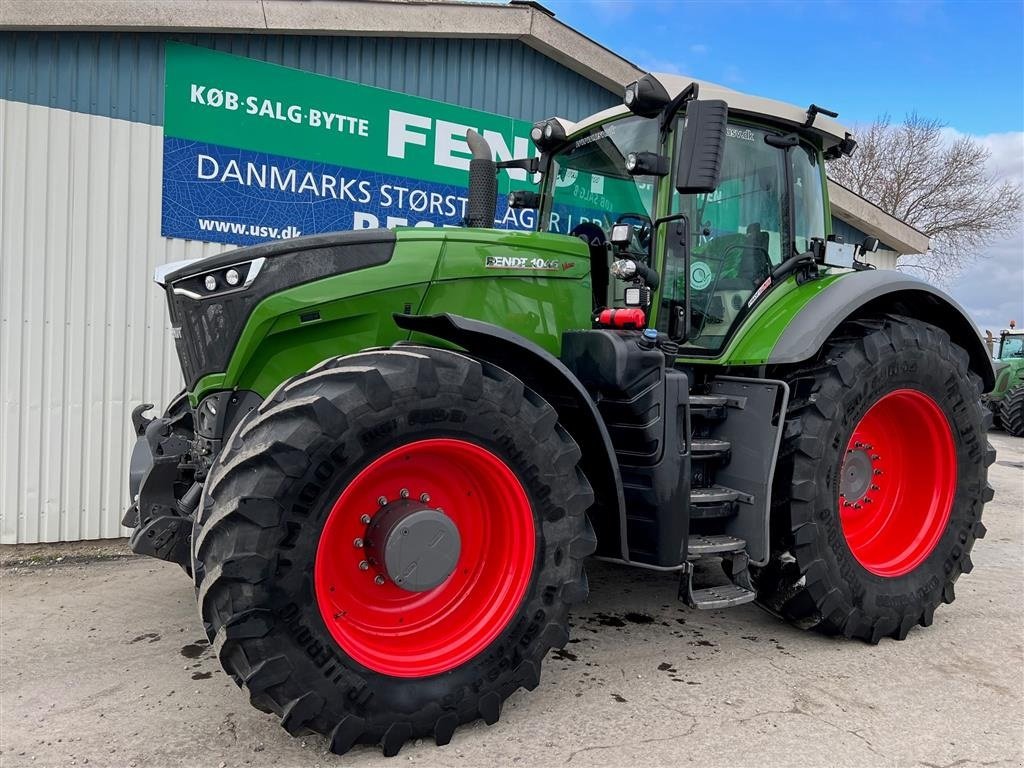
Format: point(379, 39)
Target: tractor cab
point(717, 194)
point(1011, 345)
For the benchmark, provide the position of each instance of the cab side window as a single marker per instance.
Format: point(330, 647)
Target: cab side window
point(808, 197)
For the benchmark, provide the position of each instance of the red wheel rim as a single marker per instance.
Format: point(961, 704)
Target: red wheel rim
point(416, 634)
point(897, 483)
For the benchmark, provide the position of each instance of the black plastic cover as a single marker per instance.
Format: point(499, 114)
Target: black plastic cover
point(700, 153)
point(644, 407)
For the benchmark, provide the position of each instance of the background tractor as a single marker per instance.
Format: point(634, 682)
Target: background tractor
point(396, 448)
point(1007, 396)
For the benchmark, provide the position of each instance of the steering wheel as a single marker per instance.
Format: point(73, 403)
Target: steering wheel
point(721, 249)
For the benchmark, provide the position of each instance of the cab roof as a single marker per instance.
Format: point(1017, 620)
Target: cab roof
point(829, 130)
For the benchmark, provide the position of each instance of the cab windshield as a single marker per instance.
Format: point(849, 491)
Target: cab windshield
point(1011, 347)
point(591, 189)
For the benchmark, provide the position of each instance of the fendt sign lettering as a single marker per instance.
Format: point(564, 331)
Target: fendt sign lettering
point(255, 151)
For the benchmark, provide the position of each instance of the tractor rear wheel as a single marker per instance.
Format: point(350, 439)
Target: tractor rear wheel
point(388, 546)
point(1011, 412)
point(880, 482)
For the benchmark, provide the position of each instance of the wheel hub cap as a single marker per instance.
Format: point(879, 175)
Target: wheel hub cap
point(857, 475)
point(417, 545)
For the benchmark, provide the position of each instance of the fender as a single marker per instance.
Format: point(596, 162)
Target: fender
point(546, 375)
point(878, 292)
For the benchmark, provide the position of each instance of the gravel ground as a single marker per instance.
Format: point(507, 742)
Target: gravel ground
point(104, 663)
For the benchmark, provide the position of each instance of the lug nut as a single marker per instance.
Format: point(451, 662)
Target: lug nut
point(875, 457)
point(858, 445)
point(424, 497)
point(404, 493)
point(875, 488)
point(363, 565)
point(378, 579)
point(358, 543)
point(382, 501)
point(364, 519)
point(878, 472)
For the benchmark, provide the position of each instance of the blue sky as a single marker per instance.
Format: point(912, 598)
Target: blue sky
point(960, 62)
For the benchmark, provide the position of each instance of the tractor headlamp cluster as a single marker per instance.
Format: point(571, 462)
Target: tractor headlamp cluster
point(220, 281)
point(646, 97)
point(547, 134)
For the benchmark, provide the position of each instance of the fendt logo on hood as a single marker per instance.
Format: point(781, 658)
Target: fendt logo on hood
point(532, 264)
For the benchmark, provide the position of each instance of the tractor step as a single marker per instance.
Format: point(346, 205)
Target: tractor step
point(715, 494)
point(713, 502)
point(726, 596)
point(703, 545)
point(735, 563)
point(708, 406)
point(707, 448)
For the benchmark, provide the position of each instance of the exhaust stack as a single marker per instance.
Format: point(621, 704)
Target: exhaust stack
point(483, 183)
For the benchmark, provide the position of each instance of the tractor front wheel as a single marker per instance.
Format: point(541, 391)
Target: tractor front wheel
point(388, 546)
point(1011, 412)
point(880, 482)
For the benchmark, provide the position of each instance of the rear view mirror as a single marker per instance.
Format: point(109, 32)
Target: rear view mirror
point(699, 167)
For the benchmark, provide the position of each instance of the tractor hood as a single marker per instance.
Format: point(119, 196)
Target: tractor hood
point(211, 299)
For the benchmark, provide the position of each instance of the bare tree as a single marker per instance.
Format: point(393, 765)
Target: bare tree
point(914, 172)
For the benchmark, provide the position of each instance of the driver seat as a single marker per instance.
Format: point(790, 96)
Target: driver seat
point(751, 268)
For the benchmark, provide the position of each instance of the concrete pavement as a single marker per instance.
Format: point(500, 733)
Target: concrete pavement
point(105, 663)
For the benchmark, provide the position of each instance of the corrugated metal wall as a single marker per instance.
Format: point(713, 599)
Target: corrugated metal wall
point(122, 75)
point(83, 331)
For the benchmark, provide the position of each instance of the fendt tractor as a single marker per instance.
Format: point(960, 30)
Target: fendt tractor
point(1007, 396)
point(396, 448)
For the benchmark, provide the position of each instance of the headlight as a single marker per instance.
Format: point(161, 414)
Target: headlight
point(547, 134)
point(217, 282)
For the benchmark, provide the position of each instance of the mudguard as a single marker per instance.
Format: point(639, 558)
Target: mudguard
point(876, 292)
point(547, 375)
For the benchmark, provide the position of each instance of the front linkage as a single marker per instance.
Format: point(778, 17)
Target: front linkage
point(166, 483)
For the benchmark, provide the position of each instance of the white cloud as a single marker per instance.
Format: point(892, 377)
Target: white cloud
point(699, 49)
point(654, 62)
point(991, 289)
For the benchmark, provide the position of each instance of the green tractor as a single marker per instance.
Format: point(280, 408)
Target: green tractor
point(1007, 396)
point(396, 449)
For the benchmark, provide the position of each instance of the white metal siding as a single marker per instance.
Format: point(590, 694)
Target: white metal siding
point(84, 335)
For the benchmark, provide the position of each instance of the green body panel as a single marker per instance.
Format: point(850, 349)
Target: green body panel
point(534, 284)
point(536, 303)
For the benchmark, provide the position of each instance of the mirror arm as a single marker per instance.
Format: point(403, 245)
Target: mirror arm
point(687, 94)
point(528, 164)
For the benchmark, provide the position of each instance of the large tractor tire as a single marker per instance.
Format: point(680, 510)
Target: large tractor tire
point(1011, 412)
point(880, 482)
point(389, 545)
